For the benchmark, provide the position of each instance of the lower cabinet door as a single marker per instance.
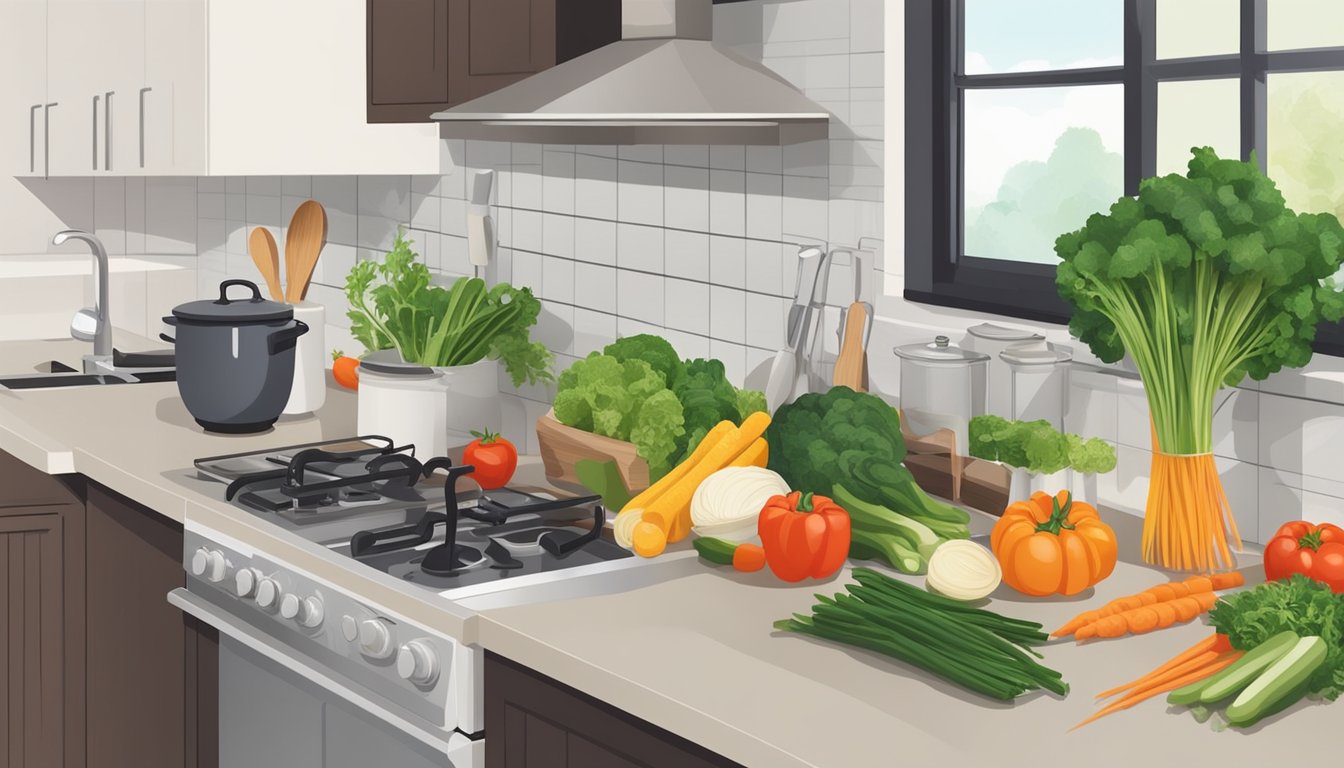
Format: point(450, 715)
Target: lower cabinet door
point(31, 642)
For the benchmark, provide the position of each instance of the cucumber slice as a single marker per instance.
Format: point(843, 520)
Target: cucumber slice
point(1272, 690)
point(1232, 680)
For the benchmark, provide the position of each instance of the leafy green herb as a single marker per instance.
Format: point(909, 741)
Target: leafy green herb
point(1036, 446)
point(1301, 605)
point(395, 304)
point(1091, 455)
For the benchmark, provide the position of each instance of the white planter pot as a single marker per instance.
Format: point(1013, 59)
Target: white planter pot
point(1022, 484)
point(435, 409)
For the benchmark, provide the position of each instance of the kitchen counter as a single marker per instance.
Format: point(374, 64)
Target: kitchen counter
point(690, 647)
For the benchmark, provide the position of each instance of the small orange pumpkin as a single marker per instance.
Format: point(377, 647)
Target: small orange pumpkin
point(1053, 545)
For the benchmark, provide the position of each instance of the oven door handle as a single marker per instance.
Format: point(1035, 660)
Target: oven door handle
point(453, 744)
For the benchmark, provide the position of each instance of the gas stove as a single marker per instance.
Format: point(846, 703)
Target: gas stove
point(426, 523)
point(301, 650)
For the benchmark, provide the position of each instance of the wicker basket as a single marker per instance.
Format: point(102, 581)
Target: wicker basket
point(562, 446)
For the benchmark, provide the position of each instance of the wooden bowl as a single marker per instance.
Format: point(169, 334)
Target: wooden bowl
point(563, 446)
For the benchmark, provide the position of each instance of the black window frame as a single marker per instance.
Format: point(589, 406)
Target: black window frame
point(936, 270)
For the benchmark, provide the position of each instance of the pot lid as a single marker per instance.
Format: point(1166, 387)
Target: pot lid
point(1035, 353)
point(1002, 333)
point(253, 309)
point(940, 350)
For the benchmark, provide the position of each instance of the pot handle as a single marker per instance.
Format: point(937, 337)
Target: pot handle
point(285, 336)
point(169, 321)
point(224, 291)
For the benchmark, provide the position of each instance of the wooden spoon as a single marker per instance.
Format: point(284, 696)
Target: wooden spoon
point(303, 245)
point(849, 364)
point(266, 255)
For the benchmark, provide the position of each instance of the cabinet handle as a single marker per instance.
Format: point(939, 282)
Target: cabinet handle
point(107, 130)
point(95, 132)
point(46, 138)
point(143, 91)
point(32, 138)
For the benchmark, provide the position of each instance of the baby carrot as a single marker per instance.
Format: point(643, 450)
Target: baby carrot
point(1134, 698)
point(1215, 642)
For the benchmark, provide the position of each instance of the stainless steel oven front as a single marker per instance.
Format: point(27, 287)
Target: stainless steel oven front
point(311, 677)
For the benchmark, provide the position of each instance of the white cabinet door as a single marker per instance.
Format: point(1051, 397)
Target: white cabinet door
point(23, 88)
point(174, 104)
point(119, 76)
point(75, 121)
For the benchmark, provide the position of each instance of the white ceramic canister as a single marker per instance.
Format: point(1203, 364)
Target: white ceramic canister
point(433, 408)
point(942, 387)
point(309, 390)
point(992, 339)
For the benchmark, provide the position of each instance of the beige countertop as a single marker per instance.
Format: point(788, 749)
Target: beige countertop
point(693, 652)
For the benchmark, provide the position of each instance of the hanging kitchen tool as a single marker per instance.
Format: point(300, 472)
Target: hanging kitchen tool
point(856, 325)
point(783, 371)
point(480, 227)
point(809, 349)
point(303, 245)
point(266, 255)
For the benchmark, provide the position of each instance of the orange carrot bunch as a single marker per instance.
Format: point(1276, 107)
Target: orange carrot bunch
point(1154, 608)
point(1201, 660)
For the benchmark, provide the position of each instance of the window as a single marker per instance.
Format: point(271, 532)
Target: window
point(1025, 116)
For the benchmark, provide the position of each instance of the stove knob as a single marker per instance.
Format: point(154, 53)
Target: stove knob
point(218, 567)
point(289, 606)
point(417, 662)
point(375, 639)
point(245, 582)
point(311, 613)
point(349, 628)
point(268, 594)
point(200, 561)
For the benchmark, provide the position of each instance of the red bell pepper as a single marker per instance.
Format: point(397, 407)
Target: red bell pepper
point(803, 535)
point(1315, 551)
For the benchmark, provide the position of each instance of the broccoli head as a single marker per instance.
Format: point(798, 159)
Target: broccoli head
point(808, 435)
point(654, 350)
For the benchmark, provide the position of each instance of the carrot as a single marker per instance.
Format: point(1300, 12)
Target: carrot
point(1130, 700)
point(1215, 642)
point(1148, 617)
point(1167, 592)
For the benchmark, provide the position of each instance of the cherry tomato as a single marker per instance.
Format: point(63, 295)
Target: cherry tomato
point(494, 458)
point(1315, 551)
point(345, 369)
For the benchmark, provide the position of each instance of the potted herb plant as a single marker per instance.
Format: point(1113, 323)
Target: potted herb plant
point(1202, 280)
point(434, 352)
point(1040, 457)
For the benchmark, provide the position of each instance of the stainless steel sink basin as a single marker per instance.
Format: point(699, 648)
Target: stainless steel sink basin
point(76, 379)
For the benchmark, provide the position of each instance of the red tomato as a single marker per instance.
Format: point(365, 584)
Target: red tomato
point(494, 458)
point(1315, 551)
point(345, 370)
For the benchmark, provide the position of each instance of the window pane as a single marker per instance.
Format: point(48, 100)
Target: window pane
point(1196, 113)
point(1305, 24)
point(1042, 34)
point(1306, 140)
point(1037, 163)
point(1198, 28)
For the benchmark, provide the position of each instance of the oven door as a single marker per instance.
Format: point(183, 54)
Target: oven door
point(277, 708)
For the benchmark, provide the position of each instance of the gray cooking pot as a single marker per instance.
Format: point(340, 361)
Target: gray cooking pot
point(235, 359)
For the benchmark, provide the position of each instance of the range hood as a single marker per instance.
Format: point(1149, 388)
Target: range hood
point(664, 83)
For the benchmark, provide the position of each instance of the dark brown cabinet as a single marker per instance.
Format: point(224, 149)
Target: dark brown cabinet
point(427, 55)
point(534, 721)
point(97, 670)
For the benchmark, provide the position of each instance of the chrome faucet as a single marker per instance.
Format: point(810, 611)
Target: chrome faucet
point(92, 324)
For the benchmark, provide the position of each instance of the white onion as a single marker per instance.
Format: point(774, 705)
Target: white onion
point(623, 527)
point(734, 495)
point(963, 570)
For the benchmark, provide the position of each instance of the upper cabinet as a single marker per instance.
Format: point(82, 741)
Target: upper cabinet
point(195, 88)
point(427, 55)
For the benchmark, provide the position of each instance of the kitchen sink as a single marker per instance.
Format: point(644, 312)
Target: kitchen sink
point(75, 379)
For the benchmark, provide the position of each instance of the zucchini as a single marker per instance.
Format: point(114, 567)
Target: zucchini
point(1236, 677)
point(1275, 687)
point(874, 518)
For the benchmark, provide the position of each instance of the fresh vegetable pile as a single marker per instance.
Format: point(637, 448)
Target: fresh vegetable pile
point(1299, 605)
point(1199, 662)
point(976, 649)
point(639, 390)
point(847, 445)
point(394, 303)
point(1037, 446)
point(1202, 279)
point(1260, 683)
